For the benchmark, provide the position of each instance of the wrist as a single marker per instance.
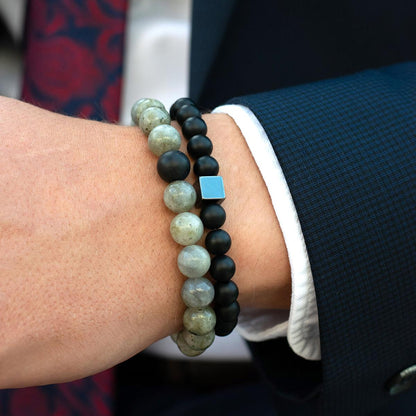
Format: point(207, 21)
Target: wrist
point(263, 271)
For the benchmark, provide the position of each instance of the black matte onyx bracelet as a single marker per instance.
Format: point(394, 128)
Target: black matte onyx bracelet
point(211, 190)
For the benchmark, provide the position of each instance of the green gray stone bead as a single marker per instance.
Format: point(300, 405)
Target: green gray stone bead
point(198, 342)
point(134, 112)
point(153, 117)
point(174, 337)
point(194, 261)
point(185, 348)
point(179, 196)
point(186, 228)
point(199, 321)
point(164, 138)
point(141, 105)
point(197, 292)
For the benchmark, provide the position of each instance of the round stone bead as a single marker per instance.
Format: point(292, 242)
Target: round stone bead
point(197, 292)
point(227, 313)
point(218, 242)
point(206, 166)
point(153, 117)
point(186, 228)
point(185, 348)
point(193, 126)
point(179, 196)
point(134, 112)
point(141, 105)
point(173, 165)
point(180, 102)
point(194, 261)
point(222, 268)
point(199, 321)
point(225, 293)
point(199, 145)
point(198, 342)
point(174, 337)
point(187, 111)
point(213, 216)
point(223, 329)
point(164, 138)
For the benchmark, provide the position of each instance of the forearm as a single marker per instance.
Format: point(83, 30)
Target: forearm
point(88, 271)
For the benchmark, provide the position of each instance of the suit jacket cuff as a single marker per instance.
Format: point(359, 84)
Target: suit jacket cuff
point(300, 325)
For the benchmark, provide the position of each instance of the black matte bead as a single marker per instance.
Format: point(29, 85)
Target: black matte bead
point(228, 313)
point(173, 166)
point(218, 242)
point(206, 166)
point(199, 145)
point(223, 329)
point(193, 126)
point(222, 268)
point(213, 216)
point(180, 102)
point(187, 111)
point(225, 293)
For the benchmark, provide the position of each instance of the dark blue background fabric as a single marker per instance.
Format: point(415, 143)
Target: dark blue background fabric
point(263, 45)
point(346, 141)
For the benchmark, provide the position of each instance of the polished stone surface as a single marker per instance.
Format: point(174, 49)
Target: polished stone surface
point(164, 138)
point(186, 228)
point(153, 117)
point(199, 321)
point(197, 292)
point(194, 261)
point(179, 196)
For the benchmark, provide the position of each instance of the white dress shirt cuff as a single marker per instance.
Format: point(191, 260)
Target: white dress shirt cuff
point(300, 324)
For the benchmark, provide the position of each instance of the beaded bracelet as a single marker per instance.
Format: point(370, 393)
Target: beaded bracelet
point(200, 321)
point(211, 193)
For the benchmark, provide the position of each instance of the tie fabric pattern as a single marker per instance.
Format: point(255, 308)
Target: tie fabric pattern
point(73, 65)
point(74, 56)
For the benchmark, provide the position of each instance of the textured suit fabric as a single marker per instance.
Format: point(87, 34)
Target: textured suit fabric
point(347, 148)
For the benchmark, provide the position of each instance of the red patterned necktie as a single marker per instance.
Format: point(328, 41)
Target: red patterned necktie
point(74, 56)
point(74, 51)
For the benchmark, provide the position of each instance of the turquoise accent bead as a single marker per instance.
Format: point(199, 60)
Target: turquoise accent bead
point(164, 138)
point(153, 117)
point(194, 261)
point(212, 188)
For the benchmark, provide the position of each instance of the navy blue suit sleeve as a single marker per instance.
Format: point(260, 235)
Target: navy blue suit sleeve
point(347, 147)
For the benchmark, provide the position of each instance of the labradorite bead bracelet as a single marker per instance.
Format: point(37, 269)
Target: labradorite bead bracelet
point(194, 261)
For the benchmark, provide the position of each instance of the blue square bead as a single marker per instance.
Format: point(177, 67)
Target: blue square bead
point(212, 188)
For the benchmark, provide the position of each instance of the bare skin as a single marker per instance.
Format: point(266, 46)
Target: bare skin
point(88, 273)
